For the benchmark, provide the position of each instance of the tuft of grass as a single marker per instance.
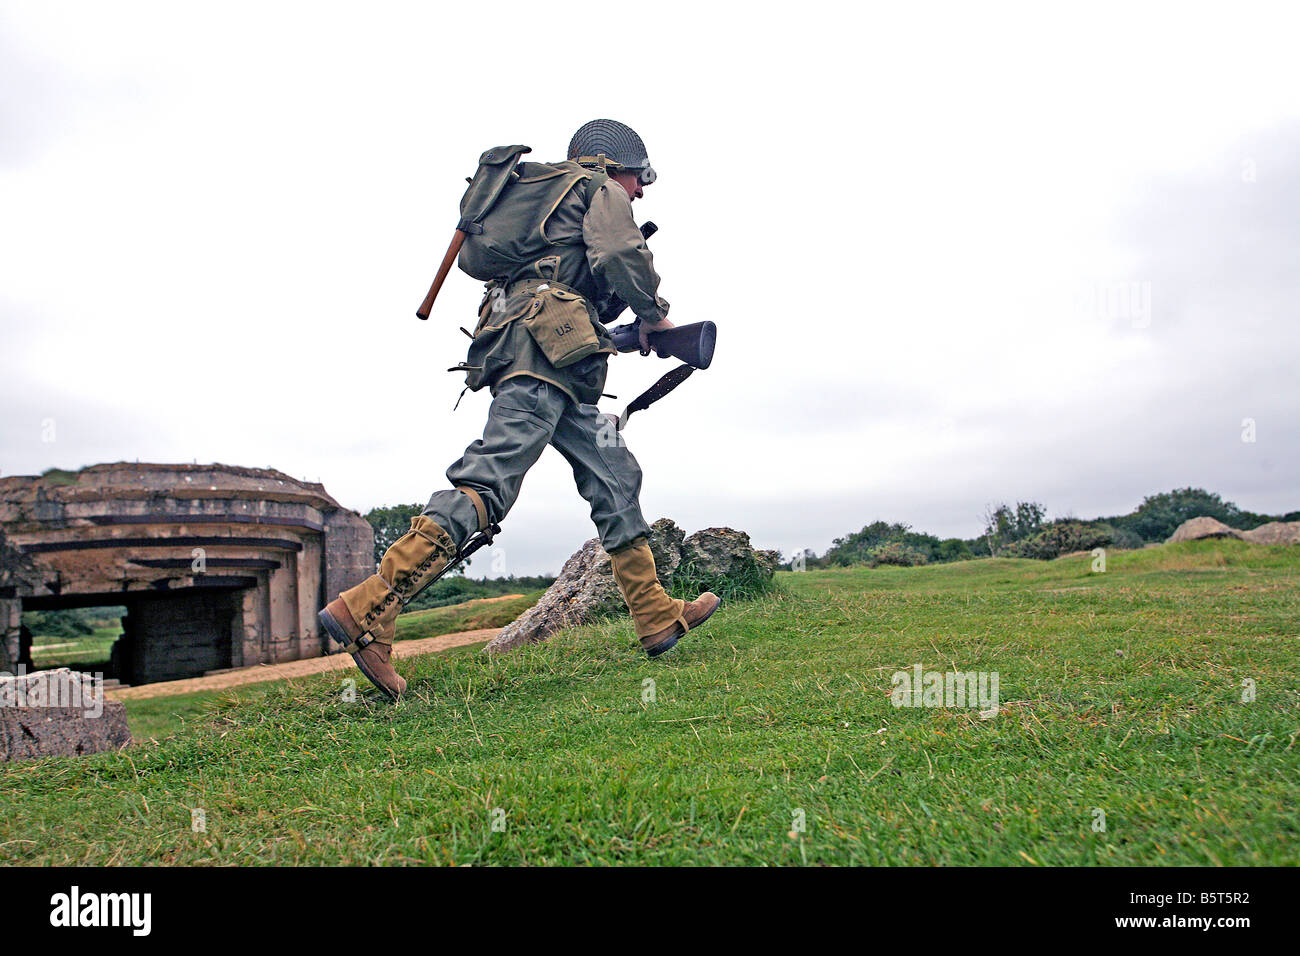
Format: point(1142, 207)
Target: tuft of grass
point(60, 477)
point(767, 737)
point(744, 585)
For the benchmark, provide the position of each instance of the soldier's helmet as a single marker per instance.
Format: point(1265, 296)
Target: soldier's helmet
point(617, 142)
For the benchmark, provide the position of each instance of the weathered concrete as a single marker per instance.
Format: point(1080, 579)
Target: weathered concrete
point(58, 713)
point(17, 575)
point(219, 566)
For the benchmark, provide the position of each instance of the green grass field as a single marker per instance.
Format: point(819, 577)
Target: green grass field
point(88, 652)
point(770, 738)
point(467, 616)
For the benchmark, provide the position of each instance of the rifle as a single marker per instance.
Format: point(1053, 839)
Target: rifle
point(693, 343)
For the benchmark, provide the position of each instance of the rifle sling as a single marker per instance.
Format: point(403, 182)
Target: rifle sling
point(655, 392)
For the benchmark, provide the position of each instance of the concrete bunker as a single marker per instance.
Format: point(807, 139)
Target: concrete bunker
point(218, 566)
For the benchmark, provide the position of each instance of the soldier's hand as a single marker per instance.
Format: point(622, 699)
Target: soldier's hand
point(645, 328)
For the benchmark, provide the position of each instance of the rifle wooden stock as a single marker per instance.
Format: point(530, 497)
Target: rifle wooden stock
point(693, 343)
point(448, 260)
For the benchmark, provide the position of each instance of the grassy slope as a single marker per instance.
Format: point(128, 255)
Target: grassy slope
point(1121, 691)
point(467, 616)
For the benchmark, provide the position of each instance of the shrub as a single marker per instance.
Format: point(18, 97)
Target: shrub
point(952, 549)
point(898, 554)
point(1124, 539)
point(1061, 537)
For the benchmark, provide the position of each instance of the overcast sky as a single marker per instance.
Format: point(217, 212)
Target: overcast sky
point(957, 254)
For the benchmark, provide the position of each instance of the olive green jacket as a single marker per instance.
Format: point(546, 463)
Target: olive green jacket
point(511, 338)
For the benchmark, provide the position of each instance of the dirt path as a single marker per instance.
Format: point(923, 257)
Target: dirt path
point(303, 668)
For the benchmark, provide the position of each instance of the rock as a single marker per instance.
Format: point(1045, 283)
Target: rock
point(715, 556)
point(586, 590)
point(1275, 532)
point(1194, 528)
point(58, 713)
point(666, 546)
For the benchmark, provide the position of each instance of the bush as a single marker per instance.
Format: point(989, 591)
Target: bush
point(860, 547)
point(1061, 537)
point(898, 554)
point(1125, 540)
point(952, 549)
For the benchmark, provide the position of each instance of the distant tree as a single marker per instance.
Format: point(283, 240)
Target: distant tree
point(1159, 515)
point(72, 623)
point(857, 548)
point(864, 547)
point(1005, 525)
point(390, 524)
point(952, 549)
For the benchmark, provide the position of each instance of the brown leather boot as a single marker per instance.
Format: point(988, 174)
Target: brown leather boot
point(694, 614)
point(660, 619)
point(372, 653)
point(364, 618)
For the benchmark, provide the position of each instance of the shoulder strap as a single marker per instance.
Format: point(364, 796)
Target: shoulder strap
point(594, 182)
point(655, 392)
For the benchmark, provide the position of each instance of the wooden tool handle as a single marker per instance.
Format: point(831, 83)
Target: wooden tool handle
point(453, 251)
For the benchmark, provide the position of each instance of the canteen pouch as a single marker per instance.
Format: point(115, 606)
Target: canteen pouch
point(561, 325)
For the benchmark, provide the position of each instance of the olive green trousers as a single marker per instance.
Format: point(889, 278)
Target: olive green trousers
point(526, 415)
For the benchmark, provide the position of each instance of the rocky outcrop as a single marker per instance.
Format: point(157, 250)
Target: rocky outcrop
point(1275, 532)
point(1195, 528)
point(717, 559)
point(58, 713)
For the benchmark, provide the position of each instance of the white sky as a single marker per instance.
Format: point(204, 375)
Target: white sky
point(217, 219)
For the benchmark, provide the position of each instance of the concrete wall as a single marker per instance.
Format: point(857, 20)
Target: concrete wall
point(11, 610)
point(349, 552)
point(219, 566)
point(177, 636)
